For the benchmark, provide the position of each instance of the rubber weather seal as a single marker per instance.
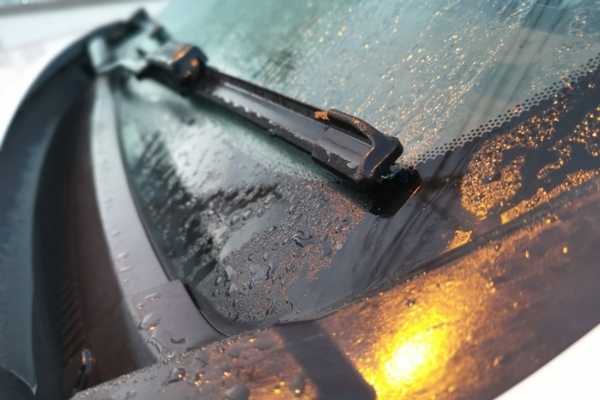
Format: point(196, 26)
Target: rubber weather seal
point(345, 145)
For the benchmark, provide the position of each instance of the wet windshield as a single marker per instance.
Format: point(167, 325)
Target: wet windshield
point(427, 71)
point(228, 206)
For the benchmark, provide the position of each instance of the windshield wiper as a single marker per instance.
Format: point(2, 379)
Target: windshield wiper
point(342, 143)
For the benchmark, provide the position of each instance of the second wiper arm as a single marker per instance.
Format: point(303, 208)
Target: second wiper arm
point(343, 144)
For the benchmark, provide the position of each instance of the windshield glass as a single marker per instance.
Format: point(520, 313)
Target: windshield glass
point(428, 71)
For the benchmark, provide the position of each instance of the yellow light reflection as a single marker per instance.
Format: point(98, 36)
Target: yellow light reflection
point(414, 358)
point(410, 350)
point(410, 360)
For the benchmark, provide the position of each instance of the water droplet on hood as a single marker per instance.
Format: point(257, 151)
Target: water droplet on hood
point(176, 375)
point(290, 267)
point(325, 247)
point(297, 385)
point(262, 343)
point(234, 352)
point(246, 214)
point(125, 268)
point(302, 238)
point(178, 341)
point(152, 297)
point(259, 271)
point(163, 351)
point(230, 272)
point(131, 394)
point(200, 359)
point(238, 392)
point(149, 322)
point(232, 289)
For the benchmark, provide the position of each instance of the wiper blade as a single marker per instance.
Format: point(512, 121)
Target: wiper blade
point(343, 144)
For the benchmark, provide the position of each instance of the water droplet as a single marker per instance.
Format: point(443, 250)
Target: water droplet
point(176, 375)
point(238, 392)
point(246, 214)
point(125, 268)
point(297, 384)
point(272, 264)
point(152, 297)
point(236, 219)
point(234, 352)
point(122, 257)
point(272, 306)
point(230, 272)
point(198, 379)
point(262, 343)
point(178, 341)
point(297, 252)
point(130, 394)
point(232, 289)
point(149, 323)
point(163, 351)
point(259, 271)
point(302, 239)
point(201, 358)
point(290, 267)
point(325, 249)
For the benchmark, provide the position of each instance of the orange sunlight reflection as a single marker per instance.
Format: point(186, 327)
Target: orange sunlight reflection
point(414, 357)
point(417, 337)
point(410, 359)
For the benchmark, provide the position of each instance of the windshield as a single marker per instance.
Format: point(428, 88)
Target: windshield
point(227, 205)
point(427, 71)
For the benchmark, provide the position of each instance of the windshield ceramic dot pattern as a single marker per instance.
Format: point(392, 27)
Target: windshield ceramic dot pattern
point(590, 67)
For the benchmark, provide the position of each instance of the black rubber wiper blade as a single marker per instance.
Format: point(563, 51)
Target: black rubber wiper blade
point(343, 144)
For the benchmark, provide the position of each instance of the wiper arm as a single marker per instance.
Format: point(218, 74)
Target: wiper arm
point(343, 144)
